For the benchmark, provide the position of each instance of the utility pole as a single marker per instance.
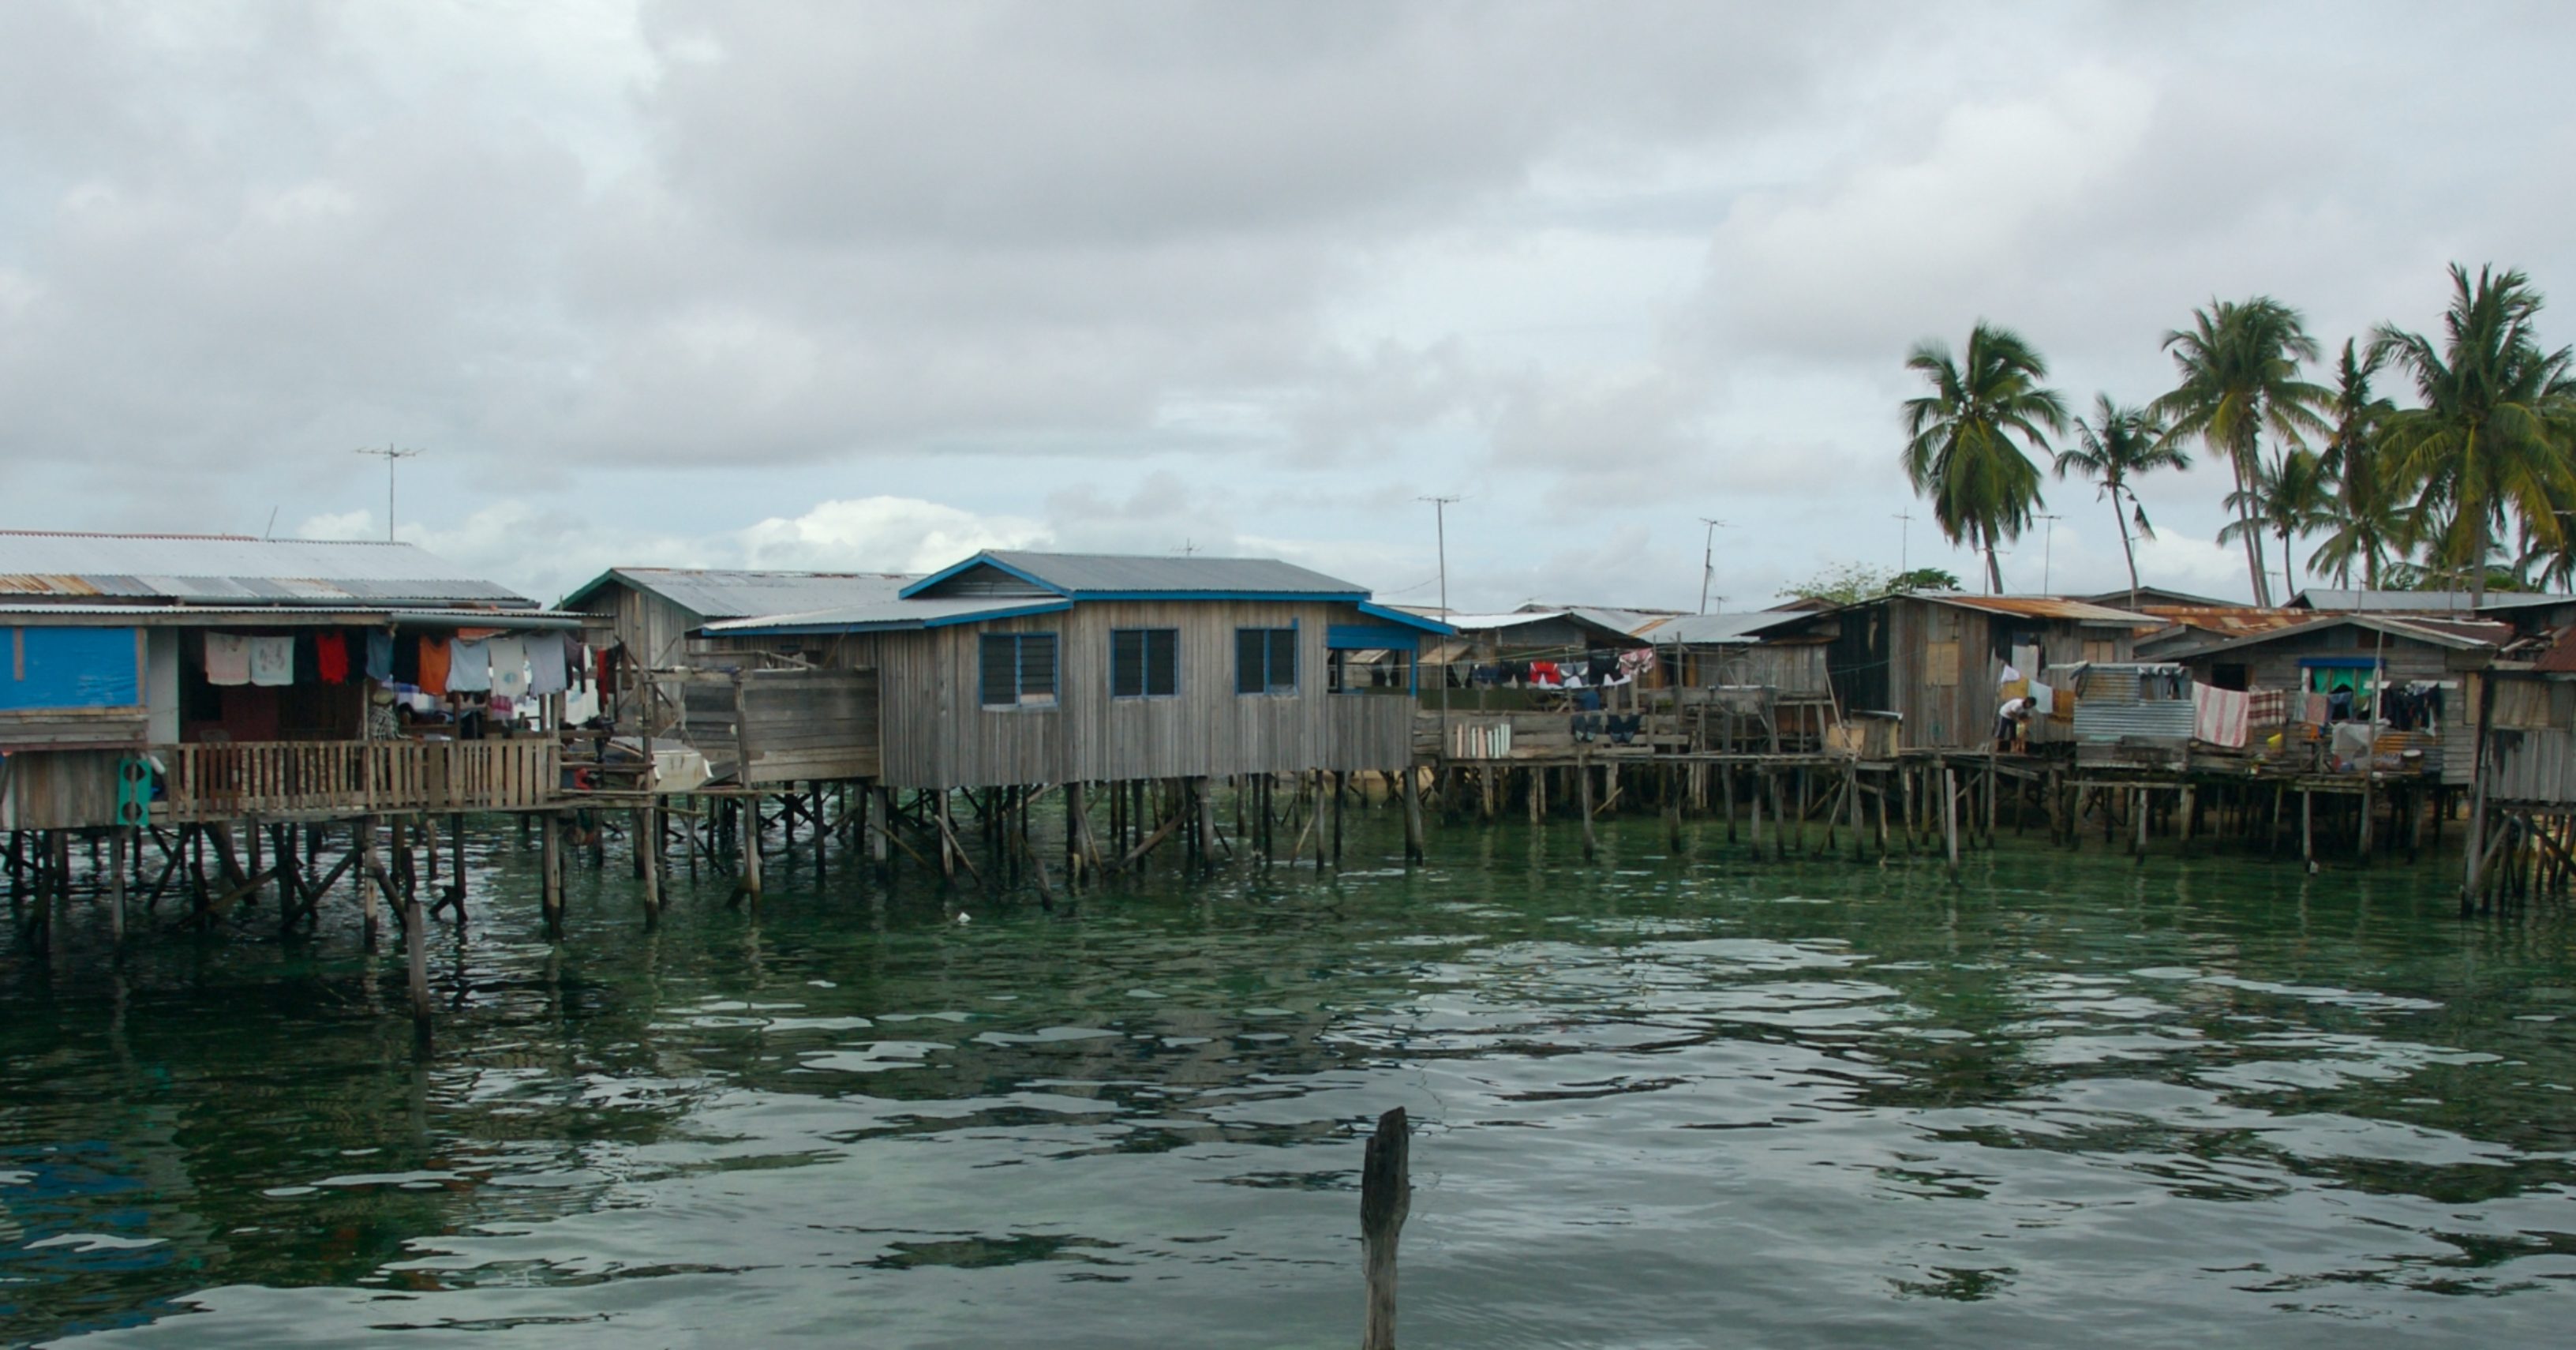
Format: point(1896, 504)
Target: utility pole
point(1708, 558)
point(2047, 548)
point(1440, 532)
point(390, 456)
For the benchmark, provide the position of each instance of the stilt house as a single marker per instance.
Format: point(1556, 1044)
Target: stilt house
point(1935, 659)
point(1016, 668)
point(120, 702)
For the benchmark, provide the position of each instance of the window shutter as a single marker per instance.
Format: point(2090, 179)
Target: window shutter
point(1127, 649)
point(1037, 665)
point(1001, 669)
point(1251, 652)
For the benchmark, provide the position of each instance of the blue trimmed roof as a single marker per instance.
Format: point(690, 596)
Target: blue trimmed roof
point(1113, 576)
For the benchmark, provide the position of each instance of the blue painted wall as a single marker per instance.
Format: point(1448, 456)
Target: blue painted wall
point(69, 668)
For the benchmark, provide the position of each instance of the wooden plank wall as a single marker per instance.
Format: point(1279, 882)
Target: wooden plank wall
point(803, 724)
point(58, 789)
point(71, 728)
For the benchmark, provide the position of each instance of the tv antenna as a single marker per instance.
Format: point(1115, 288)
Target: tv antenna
point(1902, 531)
point(391, 457)
point(1708, 558)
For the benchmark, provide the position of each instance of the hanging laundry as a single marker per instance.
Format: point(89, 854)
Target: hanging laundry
point(331, 657)
point(227, 659)
point(380, 656)
point(509, 657)
point(2011, 673)
point(546, 673)
point(2312, 710)
point(2218, 715)
point(433, 665)
point(2043, 700)
point(469, 666)
point(2026, 656)
point(272, 660)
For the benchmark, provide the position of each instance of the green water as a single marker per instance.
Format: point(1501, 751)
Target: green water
point(1657, 1103)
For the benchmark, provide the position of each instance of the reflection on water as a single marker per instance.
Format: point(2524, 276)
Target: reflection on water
point(1656, 1104)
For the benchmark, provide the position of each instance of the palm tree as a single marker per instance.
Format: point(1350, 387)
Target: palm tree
point(2493, 435)
point(2369, 524)
point(1960, 449)
point(2240, 376)
point(2113, 449)
point(2288, 495)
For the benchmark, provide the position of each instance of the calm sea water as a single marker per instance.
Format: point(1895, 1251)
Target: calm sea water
point(1657, 1103)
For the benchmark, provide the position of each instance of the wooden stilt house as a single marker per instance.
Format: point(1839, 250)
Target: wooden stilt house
point(1016, 668)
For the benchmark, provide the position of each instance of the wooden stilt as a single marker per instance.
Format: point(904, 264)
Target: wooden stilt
point(1950, 818)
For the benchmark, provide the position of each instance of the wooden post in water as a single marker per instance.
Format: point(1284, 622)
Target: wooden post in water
point(368, 915)
point(2307, 827)
point(2138, 828)
point(1386, 1196)
point(1413, 840)
point(1583, 801)
point(2366, 776)
point(550, 862)
point(117, 841)
point(751, 850)
point(1950, 817)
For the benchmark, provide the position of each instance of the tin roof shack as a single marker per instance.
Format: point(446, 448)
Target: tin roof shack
point(1935, 659)
point(2362, 655)
point(2530, 730)
point(104, 654)
point(1026, 668)
point(644, 615)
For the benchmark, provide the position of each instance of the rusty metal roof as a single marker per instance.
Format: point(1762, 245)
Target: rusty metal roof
point(2560, 658)
point(231, 569)
point(2050, 607)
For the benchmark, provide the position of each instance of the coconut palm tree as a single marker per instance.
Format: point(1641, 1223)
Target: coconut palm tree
point(2239, 366)
point(2113, 449)
point(2289, 495)
point(1960, 446)
point(2370, 521)
point(2493, 436)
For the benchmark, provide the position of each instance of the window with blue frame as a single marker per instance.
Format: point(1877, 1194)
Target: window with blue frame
point(1144, 662)
point(1018, 670)
point(1265, 660)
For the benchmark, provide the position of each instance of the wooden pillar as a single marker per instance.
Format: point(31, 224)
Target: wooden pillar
point(1851, 805)
point(369, 920)
point(118, 841)
point(551, 885)
point(2307, 827)
point(751, 884)
point(1386, 1195)
point(416, 957)
point(1200, 789)
point(1757, 814)
point(1726, 794)
point(1583, 803)
point(1413, 841)
point(2138, 826)
point(2366, 804)
point(1950, 817)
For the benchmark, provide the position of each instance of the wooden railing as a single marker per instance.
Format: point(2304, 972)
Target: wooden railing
point(290, 778)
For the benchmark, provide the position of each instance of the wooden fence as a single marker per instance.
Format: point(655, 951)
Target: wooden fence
point(217, 782)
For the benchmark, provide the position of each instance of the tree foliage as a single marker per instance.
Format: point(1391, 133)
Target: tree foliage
point(1966, 439)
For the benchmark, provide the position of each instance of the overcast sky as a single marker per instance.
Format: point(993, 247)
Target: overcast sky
point(872, 286)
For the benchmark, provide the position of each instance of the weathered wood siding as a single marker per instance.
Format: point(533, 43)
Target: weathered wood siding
point(802, 724)
point(653, 629)
point(58, 789)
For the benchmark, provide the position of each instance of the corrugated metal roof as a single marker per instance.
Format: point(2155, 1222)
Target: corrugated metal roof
point(2560, 659)
point(1707, 629)
point(2050, 607)
point(2455, 634)
point(714, 593)
point(307, 615)
point(886, 614)
point(2385, 602)
point(234, 569)
point(1092, 574)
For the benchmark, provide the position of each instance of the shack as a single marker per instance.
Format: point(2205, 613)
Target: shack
point(1021, 668)
point(2412, 675)
point(1936, 660)
point(642, 617)
point(193, 678)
